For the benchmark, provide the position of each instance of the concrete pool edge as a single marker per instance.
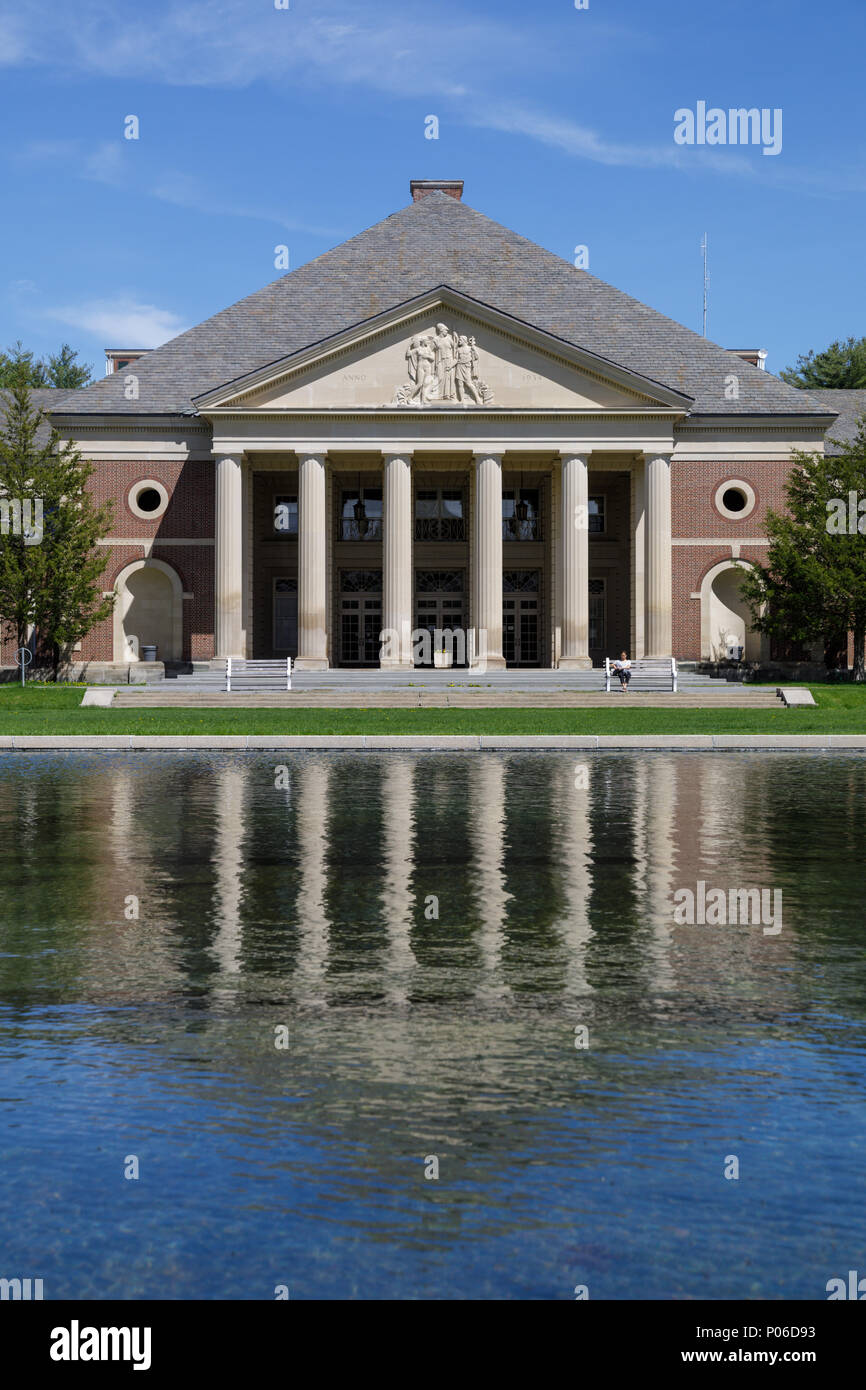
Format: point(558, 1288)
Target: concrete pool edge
point(477, 743)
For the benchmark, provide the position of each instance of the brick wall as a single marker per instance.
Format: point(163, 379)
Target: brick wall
point(694, 516)
point(188, 516)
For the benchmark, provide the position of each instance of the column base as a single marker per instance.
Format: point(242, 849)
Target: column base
point(575, 663)
point(311, 663)
point(488, 663)
point(393, 664)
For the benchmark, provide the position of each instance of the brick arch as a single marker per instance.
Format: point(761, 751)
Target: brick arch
point(174, 622)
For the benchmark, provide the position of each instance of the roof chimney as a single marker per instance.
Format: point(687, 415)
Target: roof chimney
point(419, 188)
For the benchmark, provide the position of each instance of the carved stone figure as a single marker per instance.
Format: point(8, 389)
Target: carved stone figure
point(443, 368)
point(446, 361)
point(465, 372)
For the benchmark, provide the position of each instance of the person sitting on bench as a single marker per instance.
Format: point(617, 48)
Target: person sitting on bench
point(622, 668)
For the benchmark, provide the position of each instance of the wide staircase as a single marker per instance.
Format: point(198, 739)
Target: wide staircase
point(204, 687)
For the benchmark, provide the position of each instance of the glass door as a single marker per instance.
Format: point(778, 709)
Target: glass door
point(439, 611)
point(521, 617)
point(360, 617)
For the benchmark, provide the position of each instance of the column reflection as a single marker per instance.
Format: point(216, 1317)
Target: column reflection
point(312, 791)
point(575, 851)
point(229, 837)
point(487, 831)
point(398, 903)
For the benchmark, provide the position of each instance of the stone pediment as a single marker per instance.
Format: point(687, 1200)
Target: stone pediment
point(445, 356)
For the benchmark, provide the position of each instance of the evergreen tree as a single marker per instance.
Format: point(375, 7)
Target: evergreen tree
point(61, 368)
point(813, 586)
point(50, 569)
point(841, 366)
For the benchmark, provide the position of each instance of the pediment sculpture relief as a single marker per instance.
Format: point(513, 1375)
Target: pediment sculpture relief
point(443, 368)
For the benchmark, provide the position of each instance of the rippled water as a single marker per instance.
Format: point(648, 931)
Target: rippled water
point(307, 898)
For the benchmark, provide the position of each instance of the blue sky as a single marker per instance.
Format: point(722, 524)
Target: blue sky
point(302, 126)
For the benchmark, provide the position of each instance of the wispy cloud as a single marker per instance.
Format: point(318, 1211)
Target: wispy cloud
point(108, 163)
point(462, 60)
point(120, 322)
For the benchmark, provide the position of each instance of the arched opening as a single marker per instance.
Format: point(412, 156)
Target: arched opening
point(148, 612)
point(725, 615)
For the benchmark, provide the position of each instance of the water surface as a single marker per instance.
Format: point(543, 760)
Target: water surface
point(431, 930)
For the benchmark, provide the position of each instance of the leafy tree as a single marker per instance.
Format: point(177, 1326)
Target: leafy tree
point(49, 578)
point(60, 369)
point(813, 586)
point(841, 366)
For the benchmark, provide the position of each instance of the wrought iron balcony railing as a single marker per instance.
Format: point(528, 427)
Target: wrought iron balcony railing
point(440, 528)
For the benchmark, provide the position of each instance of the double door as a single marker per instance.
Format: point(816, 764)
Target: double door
point(521, 617)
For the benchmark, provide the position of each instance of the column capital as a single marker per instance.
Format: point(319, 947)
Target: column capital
point(662, 453)
point(479, 454)
point(397, 453)
point(573, 451)
point(315, 451)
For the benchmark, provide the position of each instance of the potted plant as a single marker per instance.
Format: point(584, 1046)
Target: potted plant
point(442, 659)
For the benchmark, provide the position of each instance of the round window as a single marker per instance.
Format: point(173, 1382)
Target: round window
point(735, 499)
point(148, 499)
point(732, 498)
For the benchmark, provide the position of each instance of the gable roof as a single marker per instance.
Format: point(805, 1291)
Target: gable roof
point(439, 241)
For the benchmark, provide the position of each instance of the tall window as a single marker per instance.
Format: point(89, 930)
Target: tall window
point(596, 515)
point(597, 615)
point(286, 515)
point(521, 516)
point(439, 514)
point(361, 518)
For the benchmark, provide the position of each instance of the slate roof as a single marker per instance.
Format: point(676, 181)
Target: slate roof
point(438, 241)
point(851, 406)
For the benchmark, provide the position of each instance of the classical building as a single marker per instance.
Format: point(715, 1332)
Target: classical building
point(436, 426)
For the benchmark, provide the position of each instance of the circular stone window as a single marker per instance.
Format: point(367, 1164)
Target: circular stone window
point(148, 499)
point(735, 499)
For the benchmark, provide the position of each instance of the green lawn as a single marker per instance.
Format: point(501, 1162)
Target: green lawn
point(56, 710)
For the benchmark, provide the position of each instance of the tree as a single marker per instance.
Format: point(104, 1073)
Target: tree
point(61, 368)
point(841, 367)
point(813, 586)
point(50, 567)
point(65, 373)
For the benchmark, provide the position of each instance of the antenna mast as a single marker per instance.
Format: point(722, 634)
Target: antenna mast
point(706, 279)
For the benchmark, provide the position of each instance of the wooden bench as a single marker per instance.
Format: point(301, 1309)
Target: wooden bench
point(647, 673)
point(258, 675)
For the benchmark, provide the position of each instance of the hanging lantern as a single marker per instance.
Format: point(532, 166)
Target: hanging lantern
point(521, 511)
point(361, 520)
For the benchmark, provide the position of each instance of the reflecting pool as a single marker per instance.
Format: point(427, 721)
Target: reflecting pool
point(286, 990)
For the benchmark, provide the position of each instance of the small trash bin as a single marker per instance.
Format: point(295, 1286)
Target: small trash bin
point(148, 653)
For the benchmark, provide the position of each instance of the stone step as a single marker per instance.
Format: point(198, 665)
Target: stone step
point(736, 698)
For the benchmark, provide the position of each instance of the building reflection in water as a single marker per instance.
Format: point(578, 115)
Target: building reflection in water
point(546, 869)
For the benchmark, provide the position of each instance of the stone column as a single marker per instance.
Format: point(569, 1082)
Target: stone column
point(574, 652)
point(638, 558)
point(228, 557)
point(312, 564)
point(657, 635)
point(487, 577)
point(396, 650)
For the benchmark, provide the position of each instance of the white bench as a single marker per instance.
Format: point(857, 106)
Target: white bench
point(258, 675)
point(647, 673)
